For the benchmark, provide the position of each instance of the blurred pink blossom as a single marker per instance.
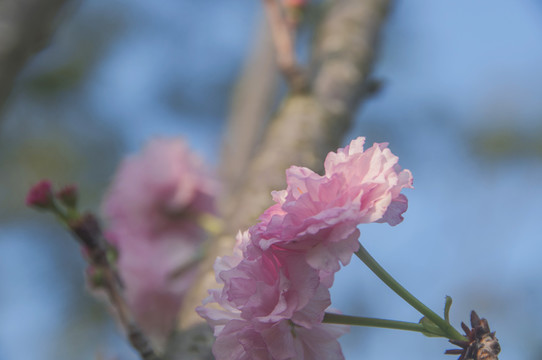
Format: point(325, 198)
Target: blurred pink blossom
point(158, 190)
point(153, 206)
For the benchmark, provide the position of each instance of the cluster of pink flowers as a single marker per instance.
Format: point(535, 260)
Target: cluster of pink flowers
point(152, 207)
point(275, 287)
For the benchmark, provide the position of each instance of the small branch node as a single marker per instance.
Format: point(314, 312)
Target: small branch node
point(283, 35)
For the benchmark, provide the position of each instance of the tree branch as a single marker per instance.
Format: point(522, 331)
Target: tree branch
point(253, 100)
point(284, 40)
point(25, 28)
point(88, 232)
point(306, 127)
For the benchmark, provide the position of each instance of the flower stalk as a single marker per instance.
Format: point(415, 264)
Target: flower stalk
point(380, 323)
point(447, 329)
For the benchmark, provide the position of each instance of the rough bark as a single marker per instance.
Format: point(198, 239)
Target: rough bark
point(252, 103)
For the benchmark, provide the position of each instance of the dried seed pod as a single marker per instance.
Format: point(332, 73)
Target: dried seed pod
point(482, 343)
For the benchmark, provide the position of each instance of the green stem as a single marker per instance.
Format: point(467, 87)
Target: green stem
point(449, 331)
point(60, 214)
point(380, 323)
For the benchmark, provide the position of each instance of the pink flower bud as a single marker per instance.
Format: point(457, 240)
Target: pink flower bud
point(68, 195)
point(40, 195)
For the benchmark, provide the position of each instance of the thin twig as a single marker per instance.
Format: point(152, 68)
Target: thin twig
point(89, 234)
point(283, 38)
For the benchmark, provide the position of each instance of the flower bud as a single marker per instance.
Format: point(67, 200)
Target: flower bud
point(68, 196)
point(40, 195)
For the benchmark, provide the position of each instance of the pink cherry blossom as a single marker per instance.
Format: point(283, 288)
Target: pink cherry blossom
point(283, 340)
point(319, 214)
point(380, 178)
point(275, 288)
point(264, 302)
point(266, 298)
point(270, 286)
point(152, 206)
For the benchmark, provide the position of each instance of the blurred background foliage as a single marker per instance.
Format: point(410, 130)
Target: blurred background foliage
point(460, 105)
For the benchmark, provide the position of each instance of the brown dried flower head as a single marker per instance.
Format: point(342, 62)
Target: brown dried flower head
point(482, 343)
